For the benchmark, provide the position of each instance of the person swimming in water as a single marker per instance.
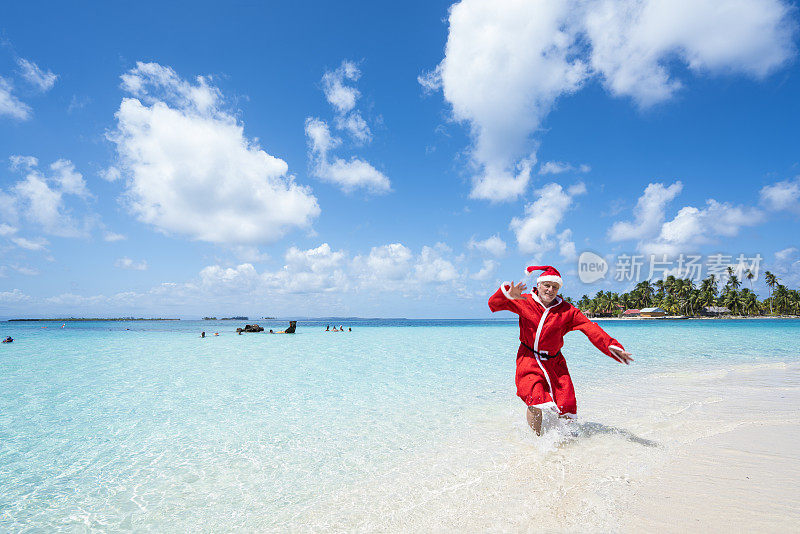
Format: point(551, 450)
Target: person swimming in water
point(9, 339)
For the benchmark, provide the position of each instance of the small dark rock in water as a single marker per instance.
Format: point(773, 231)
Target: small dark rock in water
point(250, 328)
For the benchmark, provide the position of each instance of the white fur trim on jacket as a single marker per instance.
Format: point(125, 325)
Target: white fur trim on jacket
point(505, 291)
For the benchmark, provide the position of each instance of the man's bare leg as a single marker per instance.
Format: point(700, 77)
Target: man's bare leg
point(534, 416)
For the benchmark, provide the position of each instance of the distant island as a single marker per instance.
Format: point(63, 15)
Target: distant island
point(65, 319)
point(237, 318)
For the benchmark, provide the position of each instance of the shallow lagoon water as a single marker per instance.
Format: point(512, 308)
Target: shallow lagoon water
point(398, 425)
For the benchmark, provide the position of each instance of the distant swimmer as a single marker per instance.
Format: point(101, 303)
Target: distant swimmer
point(542, 378)
point(349, 329)
point(216, 333)
point(328, 328)
point(202, 334)
point(9, 339)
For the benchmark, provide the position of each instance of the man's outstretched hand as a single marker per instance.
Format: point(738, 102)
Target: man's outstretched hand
point(516, 290)
point(624, 357)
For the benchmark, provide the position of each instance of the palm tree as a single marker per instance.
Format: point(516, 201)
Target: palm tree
point(782, 299)
point(749, 302)
point(749, 275)
point(772, 282)
point(733, 302)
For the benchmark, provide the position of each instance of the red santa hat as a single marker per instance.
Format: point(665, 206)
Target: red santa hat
point(550, 274)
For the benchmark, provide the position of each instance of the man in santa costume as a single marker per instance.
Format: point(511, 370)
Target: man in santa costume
point(542, 378)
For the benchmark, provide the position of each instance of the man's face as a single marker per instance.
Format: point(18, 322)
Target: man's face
point(547, 291)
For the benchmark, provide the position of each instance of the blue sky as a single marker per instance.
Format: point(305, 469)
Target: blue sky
point(361, 159)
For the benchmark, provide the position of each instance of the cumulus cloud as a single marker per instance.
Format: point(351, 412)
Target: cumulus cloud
point(536, 231)
point(690, 228)
point(315, 280)
point(649, 212)
point(42, 198)
point(343, 98)
point(44, 80)
point(348, 174)
point(507, 62)
point(782, 196)
point(10, 105)
point(486, 271)
point(129, 264)
point(386, 264)
point(190, 170)
point(493, 245)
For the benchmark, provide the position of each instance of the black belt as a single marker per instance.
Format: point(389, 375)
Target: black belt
point(542, 356)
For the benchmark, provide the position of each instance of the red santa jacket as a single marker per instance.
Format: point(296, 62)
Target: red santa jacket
point(543, 328)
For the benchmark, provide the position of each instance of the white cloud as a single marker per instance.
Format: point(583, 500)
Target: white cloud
point(24, 163)
point(31, 244)
point(354, 173)
point(44, 80)
point(431, 81)
point(385, 265)
point(349, 175)
point(559, 167)
point(535, 231)
point(342, 97)
point(41, 199)
point(190, 170)
point(7, 229)
point(111, 237)
point(68, 180)
point(433, 267)
point(782, 196)
point(648, 214)
point(356, 125)
point(487, 270)
point(127, 263)
point(787, 266)
point(111, 174)
point(566, 246)
point(493, 245)
point(13, 296)
point(507, 62)
point(11, 105)
point(690, 228)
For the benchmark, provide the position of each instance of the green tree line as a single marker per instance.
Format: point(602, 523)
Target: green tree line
point(680, 296)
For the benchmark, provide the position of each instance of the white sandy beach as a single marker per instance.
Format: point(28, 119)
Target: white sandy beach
point(742, 477)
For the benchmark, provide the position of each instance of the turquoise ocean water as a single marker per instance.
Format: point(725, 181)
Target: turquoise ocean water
point(115, 426)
